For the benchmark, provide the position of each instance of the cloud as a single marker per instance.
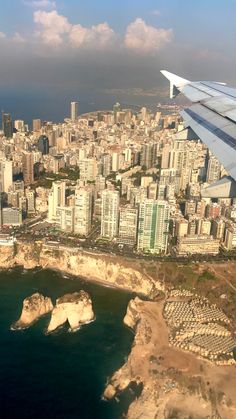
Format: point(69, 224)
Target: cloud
point(2, 35)
point(143, 38)
point(99, 36)
point(40, 4)
point(53, 27)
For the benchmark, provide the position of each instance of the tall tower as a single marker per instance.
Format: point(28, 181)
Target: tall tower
point(116, 110)
point(110, 213)
point(28, 167)
point(7, 125)
point(153, 226)
point(43, 144)
point(6, 176)
point(57, 198)
point(83, 211)
point(74, 111)
point(213, 169)
point(36, 125)
point(128, 225)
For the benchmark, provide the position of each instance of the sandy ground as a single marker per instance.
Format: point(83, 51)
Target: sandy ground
point(176, 384)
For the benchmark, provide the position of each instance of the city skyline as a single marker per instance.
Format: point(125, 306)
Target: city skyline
point(63, 52)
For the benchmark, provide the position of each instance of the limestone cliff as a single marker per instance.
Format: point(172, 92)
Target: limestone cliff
point(106, 269)
point(34, 307)
point(75, 308)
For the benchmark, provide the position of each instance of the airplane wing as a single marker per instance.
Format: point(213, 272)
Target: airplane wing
point(212, 116)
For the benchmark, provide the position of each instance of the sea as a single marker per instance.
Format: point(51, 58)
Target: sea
point(61, 375)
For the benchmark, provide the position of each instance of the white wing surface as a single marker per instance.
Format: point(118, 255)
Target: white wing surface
point(212, 116)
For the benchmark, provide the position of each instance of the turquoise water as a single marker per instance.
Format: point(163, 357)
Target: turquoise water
point(64, 374)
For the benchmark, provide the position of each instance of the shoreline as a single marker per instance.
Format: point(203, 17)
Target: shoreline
point(67, 275)
point(105, 270)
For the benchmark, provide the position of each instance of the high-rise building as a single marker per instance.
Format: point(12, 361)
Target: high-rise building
point(74, 111)
point(65, 218)
point(213, 210)
point(110, 213)
point(153, 228)
point(7, 125)
point(204, 227)
point(43, 144)
point(218, 228)
point(148, 157)
point(115, 164)
point(83, 211)
point(88, 169)
point(116, 110)
point(19, 125)
point(230, 236)
point(201, 208)
point(181, 227)
point(152, 190)
point(213, 169)
point(30, 199)
point(190, 207)
point(128, 224)
point(106, 164)
point(6, 177)
point(36, 125)
point(56, 198)
point(28, 167)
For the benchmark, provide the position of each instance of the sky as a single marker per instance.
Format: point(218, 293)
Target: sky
point(97, 52)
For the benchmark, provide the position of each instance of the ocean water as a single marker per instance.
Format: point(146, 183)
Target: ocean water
point(61, 375)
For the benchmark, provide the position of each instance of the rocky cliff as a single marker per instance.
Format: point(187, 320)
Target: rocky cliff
point(34, 307)
point(76, 309)
point(106, 269)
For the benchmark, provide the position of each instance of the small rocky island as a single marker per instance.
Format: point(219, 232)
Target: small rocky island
point(34, 307)
point(75, 308)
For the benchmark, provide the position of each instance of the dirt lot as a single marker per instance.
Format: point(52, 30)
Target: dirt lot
point(176, 384)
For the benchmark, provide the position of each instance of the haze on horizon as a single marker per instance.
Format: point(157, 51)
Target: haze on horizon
point(53, 52)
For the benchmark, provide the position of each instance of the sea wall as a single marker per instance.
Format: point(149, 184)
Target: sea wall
point(106, 269)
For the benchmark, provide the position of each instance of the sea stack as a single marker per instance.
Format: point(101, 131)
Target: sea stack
point(75, 308)
point(34, 307)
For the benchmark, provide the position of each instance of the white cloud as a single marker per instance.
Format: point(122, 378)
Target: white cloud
point(99, 36)
point(144, 38)
point(40, 4)
point(55, 29)
point(2, 35)
point(53, 26)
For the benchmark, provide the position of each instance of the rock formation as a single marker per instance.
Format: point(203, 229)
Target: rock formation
point(75, 308)
point(34, 307)
point(132, 314)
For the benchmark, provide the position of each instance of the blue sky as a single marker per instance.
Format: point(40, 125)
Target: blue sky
point(104, 50)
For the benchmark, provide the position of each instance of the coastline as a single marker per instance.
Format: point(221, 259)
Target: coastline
point(107, 270)
point(147, 281)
